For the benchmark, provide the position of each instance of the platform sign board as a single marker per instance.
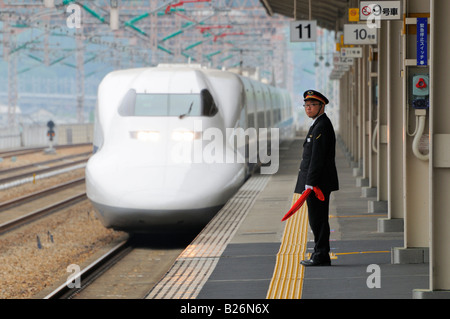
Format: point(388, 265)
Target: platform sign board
point(346, 61)
point(340, 62)
point(340, 66)
point(351, 52)
point(303, 31)
point(380, 10)
point(422, 41)
point(359, 34)
point(353, 14)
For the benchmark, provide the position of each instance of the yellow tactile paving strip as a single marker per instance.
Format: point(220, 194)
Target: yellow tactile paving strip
point(287, 279)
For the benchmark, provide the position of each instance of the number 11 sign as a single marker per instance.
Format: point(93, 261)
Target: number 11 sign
point(303, 31)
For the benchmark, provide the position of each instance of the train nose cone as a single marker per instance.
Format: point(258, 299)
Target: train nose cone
point(160, 187)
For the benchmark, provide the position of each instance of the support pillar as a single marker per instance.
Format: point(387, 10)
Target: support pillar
point(344, 110)
point(372, 75)
point(394, 220)
point(361, 172)
point(416, 170)
point(380, 204)
point(365, 108)
point(439, 220)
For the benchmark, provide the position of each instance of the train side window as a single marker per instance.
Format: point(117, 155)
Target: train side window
point(209, 107)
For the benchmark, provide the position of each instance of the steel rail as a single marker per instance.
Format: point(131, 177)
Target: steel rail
point(35, 165)
point(8, 226)
point(24, 198)
point(40, 171)
point(18, 152)
point(91, 272)
point(24, 151)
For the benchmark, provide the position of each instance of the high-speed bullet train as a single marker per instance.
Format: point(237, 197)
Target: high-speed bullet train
point(173, 143)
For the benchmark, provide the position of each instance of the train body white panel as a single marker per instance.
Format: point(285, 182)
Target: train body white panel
point(164, 144)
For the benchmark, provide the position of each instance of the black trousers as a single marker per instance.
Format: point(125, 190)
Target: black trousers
point(318, 221)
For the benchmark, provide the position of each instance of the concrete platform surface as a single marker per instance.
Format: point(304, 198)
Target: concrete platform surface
point(361, 256)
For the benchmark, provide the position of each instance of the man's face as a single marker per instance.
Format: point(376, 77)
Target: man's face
point(312, 107)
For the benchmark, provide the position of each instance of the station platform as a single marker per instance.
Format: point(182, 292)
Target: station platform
point(246, 252)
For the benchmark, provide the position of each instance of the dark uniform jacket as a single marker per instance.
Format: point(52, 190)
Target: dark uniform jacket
point(318, 166)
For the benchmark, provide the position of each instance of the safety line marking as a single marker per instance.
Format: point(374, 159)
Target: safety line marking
point(287, 279)
point(351, 216)
point(334, 255)
point(363, 252)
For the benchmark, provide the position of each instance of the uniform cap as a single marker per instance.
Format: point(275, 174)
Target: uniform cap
point(311, 94)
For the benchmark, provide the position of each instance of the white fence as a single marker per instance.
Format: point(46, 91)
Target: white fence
point(36, 135)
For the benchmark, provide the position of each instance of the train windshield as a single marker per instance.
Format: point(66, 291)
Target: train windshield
point(167, 104)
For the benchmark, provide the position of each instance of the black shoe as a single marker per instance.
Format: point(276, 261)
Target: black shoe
point(311, 262)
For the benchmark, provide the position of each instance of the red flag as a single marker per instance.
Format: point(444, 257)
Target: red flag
point(318, 193)
point(299, 203)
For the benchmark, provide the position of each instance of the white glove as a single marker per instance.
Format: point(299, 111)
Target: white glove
point(308, 186)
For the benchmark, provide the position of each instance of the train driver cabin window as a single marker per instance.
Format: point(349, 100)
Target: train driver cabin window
point(168, 104)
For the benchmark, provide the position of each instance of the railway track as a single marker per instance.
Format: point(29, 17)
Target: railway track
point(16, 179)
point(79, 281)
point(17, 152)
point(17, 212)
point(128, 271)
point(25, 151)
point(42, 164)
point(27, 197)
point(63, 213)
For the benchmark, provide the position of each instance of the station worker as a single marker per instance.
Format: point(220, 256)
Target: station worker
point(318, 169)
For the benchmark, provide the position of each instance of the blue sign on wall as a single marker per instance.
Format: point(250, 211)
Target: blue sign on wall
point(422, 41)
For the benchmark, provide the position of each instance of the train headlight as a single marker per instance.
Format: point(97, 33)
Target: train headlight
point(152, 136)
point(185, 135)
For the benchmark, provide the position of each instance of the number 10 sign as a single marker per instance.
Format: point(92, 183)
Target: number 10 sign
point(359, 34)
point(303, 31)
